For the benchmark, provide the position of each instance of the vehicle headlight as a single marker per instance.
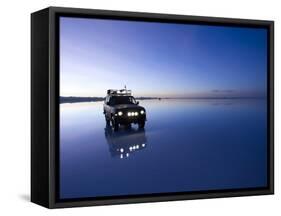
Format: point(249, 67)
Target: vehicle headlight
point(120, 113)
point(132, 113)
point(142, 112)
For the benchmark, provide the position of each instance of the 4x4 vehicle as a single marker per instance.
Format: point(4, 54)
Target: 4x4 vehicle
point(121, 108)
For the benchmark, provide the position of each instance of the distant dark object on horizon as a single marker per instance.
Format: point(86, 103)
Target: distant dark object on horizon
point(80, 99)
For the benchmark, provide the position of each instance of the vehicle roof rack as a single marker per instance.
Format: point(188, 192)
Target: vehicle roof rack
point(120, 92)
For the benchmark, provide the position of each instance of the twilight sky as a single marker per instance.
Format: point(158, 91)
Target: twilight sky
point(156, 59)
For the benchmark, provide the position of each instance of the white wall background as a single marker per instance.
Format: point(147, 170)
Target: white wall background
point(15, 107)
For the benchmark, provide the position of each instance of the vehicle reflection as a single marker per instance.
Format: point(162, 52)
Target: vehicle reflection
point(125, 142)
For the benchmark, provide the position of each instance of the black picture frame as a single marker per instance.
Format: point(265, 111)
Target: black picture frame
point(45, 106)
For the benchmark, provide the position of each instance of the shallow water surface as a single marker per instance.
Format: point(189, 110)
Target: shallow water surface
point(187, 145)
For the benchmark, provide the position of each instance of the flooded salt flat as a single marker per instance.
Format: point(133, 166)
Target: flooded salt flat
point(187, 145)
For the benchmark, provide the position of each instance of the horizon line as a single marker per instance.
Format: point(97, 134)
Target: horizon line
point(169, 97)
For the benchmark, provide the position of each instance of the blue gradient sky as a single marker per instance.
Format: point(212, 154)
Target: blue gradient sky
point(156, 59)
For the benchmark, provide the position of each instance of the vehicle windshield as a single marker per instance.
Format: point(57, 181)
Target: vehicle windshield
point(116, 100)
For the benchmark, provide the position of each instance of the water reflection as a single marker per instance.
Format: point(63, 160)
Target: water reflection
point(125, 142)
point(192, 145)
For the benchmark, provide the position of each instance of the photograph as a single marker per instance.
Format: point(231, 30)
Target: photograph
point(151, 108)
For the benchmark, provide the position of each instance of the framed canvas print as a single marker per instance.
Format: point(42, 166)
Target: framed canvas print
point(139, 107)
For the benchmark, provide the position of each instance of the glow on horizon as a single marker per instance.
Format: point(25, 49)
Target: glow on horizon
point(160, 60)
point(175, 95)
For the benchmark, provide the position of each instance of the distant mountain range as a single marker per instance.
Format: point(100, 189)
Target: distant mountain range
point(80, 99)
point(72, 99)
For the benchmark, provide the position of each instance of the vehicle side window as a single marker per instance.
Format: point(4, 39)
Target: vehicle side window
point(111, 101)
point(132, 100)
point(106, 100)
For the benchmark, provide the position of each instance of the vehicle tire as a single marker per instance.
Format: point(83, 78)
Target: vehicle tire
point(114, 124)
point(141, 124)
point(107, 120)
